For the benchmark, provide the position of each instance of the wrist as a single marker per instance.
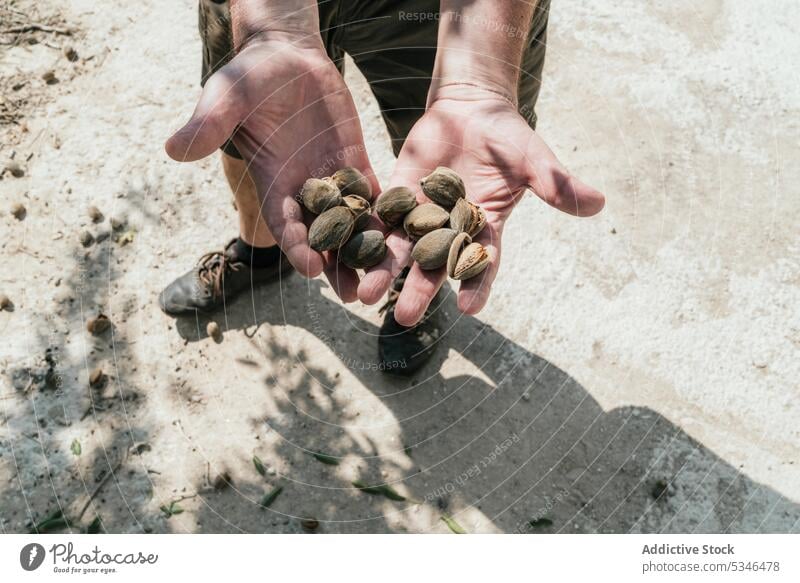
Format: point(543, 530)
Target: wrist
point(293, 21)
point(467, 91)
point(456, 65)
point(481, 43)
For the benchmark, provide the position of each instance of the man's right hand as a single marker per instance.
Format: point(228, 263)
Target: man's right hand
point(291, 117)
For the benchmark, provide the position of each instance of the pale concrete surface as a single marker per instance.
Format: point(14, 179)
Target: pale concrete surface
point(658, 341)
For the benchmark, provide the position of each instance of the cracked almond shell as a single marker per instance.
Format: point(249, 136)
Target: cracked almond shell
point(424, 219)
point(363, 250)
point(472, 260)
point(456, 247)
point(361, 210)
point(331, 229)
point(320, 195)
point(444, 187)
point(431, 251)
point(467, 217)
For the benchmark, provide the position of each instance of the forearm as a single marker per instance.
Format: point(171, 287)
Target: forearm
point(481, 43)
point(296, 18)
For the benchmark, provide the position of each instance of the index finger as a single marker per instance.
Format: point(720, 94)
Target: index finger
point(285, 220)
point(418, 292)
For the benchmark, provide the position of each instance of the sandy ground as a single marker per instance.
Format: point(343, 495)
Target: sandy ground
point(651, 350)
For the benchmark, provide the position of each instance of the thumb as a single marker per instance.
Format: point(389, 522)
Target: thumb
point(551, 182)
point(214, 120)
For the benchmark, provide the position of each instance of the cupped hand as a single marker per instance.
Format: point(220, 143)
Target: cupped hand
point(480, 135)
point(291, 117)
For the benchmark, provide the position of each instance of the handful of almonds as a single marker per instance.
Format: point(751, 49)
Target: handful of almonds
point(443, 229)
point(341, 203)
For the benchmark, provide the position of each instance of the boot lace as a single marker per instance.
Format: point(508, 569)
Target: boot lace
point(212, 268)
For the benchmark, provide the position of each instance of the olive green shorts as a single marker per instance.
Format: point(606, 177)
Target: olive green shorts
point(393, 43)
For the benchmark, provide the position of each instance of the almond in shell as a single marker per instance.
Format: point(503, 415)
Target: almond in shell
point(351, 181)
point(320, 195)
point(444, 187)
point(331, 229)
point(394, 204)
point(424, 219)
point(363, 250)
point(431, 251)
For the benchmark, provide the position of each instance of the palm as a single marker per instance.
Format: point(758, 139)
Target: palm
point(480, 145)
point(489, 144)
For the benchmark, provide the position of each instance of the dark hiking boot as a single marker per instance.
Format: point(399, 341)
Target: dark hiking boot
point(402, 350)
point(217, 278)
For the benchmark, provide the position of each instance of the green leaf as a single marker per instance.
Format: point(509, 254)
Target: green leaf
point(540, 522)
point(95, 527)
point(172, 509)
point(270, 497)
point(453, 525)
point(54, 521)
point(325, 458)
point(76, 447)
point(380, 490)
point(259, 465)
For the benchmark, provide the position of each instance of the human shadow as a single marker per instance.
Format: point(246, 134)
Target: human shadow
point(490, 434)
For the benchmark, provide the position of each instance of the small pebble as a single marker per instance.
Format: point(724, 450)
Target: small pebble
point(98, 324)
point(116, 223)
point(660, 488)
point(50, 78)
point(71, 54)
point(19, 211)
point(15, 169)
point(5, 303)
point(86, 238)
point(95, 214)
point(222, 481)
point(96, 378)
point(309, 524)
point(213, 331)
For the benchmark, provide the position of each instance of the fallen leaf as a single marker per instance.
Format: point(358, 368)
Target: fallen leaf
point(453, 525)
point(325, 458)
point(270, 497)
point(380, 490)
point(259, 465)
point(95, 527)
point(75, 447)
point(54, 521)
point(172, 509)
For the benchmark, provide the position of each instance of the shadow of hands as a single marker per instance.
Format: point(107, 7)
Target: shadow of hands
point(488, 433)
